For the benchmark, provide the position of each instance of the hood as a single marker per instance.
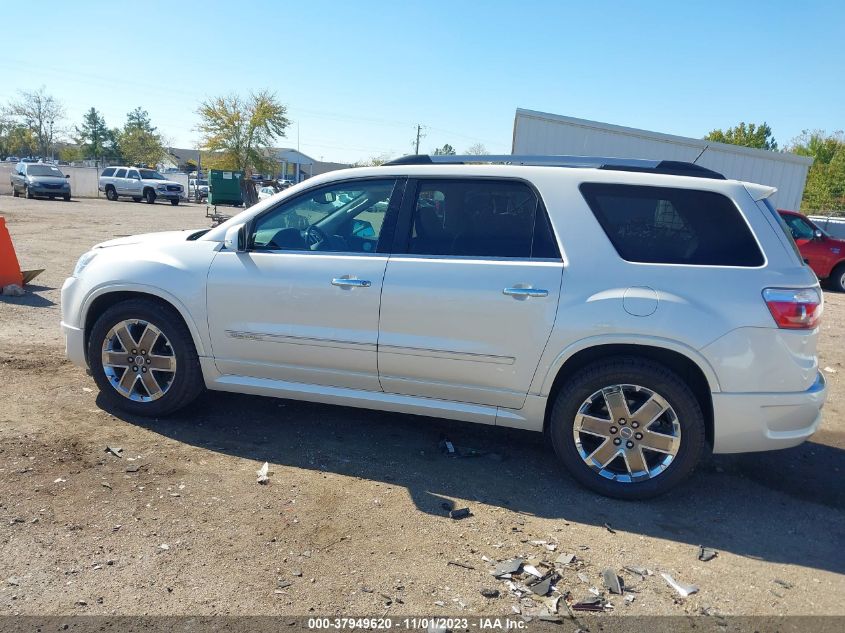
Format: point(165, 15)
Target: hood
point(165, 237)
point(160, 182)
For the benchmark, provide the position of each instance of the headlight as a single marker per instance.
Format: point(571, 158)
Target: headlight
point(86, 259)
point(162, 188)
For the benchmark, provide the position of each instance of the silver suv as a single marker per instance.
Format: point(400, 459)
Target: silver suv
point(638, 312)
point(139, 184)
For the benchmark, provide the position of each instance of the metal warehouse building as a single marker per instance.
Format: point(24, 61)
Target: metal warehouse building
point(543, 133)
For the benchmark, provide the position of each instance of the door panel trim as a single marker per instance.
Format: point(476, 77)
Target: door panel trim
point(447, 354)
point(300, 340)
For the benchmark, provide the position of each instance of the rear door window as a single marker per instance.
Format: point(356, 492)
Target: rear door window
point(479, 218)
point(120, 173)
point(108, 172)
point(663, 225)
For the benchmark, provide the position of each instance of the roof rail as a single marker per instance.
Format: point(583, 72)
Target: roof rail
point(671, 167)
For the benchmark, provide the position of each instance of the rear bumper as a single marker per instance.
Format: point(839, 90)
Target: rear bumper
point(750, 422)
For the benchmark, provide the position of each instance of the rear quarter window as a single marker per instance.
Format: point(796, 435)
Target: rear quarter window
point(108, 172)
point(664, 225)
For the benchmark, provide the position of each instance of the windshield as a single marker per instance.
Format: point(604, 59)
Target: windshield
point(43, 170)
point(149, 174)
point(203, 183)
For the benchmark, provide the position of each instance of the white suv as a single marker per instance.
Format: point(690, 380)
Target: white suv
point(139, 184)
point(638, 312)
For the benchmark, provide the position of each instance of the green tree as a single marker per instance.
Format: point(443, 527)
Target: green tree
point(237, 133)
point(138, 141)
point(94, 137)
point(749, 135)
point(825, 187)
point(446, 150)
point(42, 115)
point(478, 149)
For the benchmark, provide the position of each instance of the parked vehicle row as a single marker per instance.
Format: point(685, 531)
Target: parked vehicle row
point(39, 180)
point(825, 254)
point(139, 184)
point(640, 313)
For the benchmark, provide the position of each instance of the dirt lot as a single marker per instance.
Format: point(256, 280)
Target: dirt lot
point(352, 518)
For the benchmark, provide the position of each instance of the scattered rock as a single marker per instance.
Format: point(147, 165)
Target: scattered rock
point(297, 573)
point(13, 581)
point(609, 529)
point(114, 450)
point(458, 564)
point(459, 514)
point(565, 559)
point(830, 370)
point(783, 583)
point(507, 567)
point(164, 547)
point(133, 468)
point(490, 593)
point(13, 290)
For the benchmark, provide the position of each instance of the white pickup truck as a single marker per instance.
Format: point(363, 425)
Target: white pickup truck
point(139, 184)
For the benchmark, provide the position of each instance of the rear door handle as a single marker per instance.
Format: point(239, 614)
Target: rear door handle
point(348, 282)
point(521, 293)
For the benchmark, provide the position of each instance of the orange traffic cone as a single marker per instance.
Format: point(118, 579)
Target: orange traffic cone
point(10, 269)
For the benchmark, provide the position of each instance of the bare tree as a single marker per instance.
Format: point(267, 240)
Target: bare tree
point(476, 150)
point(41, 114)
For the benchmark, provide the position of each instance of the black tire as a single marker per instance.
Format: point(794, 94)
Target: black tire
point(187, 381)
point(175, 203)
point(29, 195)
point(66, 198)
point(136, 199)
point(628, 371)
point(150, 196)
point(15, 192)
point(111, 193)
point(837, 278)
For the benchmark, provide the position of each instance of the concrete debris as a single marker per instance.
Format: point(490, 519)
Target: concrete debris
point(565, 559)
point(13, 290)
point(629, 598)
point(490, 593)
point(133, 468)
point(583, 577)
point(542, 586)
point(705, 553)
point(783, 583)
point(508, 567)
point(164, 547)
point(642, 572)
point(115, 450)
point(462, 513)
point(612, 582)
point(59, 481)
point(683, 590)
point(263, 477)
point(590, 603)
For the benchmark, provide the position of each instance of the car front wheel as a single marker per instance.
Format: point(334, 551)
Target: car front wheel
point(174, 203)
point(143, 358)
point(627, 428)
point(837, 278)
point(111, 193)
point(150, 196)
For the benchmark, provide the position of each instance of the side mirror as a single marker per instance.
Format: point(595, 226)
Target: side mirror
point(67, 175)
point(235, 239)
point(817, 234)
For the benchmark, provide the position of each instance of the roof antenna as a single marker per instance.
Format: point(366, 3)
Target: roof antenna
point(700, 153)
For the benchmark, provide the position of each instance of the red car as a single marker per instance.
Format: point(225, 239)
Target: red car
point(824, 254)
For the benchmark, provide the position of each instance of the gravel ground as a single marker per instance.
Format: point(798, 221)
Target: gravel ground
point(352, 521)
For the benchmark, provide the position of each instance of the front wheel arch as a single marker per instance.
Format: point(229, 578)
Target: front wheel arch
point(104, 301)
point(687, 369)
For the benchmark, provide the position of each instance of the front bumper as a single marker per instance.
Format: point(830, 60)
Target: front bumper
point(74, 334)
point(169, 195)
point(44, 190)
point(750, 422)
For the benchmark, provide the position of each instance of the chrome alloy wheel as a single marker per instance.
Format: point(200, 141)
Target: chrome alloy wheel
point(138, 360)
point(627, 433)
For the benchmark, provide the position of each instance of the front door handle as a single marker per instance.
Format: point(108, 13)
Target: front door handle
point(521, 293)
point(348, 282)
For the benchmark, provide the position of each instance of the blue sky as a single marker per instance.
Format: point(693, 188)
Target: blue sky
point(357, 76)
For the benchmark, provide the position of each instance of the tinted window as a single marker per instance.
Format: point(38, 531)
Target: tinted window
point(120, 173)
point(799, 227)
point(479, 218)
point(108, 172)
point(662, 225)
point(346, 217)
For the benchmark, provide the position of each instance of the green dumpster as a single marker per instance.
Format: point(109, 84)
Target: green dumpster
point(224, 187)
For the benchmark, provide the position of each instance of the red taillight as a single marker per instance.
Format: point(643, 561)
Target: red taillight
point(793, 309)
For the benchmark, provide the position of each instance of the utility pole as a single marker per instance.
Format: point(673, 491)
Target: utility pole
point(417, 148)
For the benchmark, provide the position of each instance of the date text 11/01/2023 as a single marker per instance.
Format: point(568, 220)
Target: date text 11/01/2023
point(415, 623)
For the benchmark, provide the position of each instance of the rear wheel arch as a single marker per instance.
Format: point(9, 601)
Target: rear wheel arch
point(686, 368)
point(102, 302)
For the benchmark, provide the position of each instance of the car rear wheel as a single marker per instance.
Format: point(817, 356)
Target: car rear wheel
point(837, 278)
point(143, 358)
point(111, 193)
point(174, 203)
point(627, 428)
point(150, 196)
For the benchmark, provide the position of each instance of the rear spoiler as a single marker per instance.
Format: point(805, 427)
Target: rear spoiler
point(759, 192)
